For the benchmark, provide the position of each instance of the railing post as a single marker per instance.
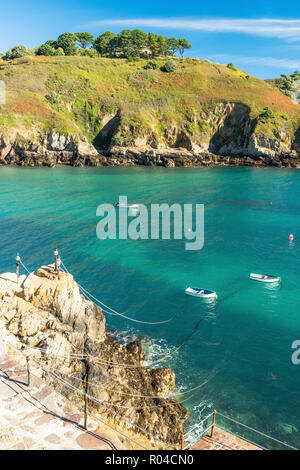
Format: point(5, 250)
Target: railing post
point(213, 424)
point(28, 372)
point(182, 442)
point(85, 410)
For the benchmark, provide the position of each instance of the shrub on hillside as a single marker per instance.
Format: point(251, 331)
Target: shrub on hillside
point(133, 57)
point(45, 49)
point(59, 51)
point(267, 113)
point(48, 50)
point(16, 52)
point(169, 66)
point(151, 65)
point(88, 52)
point(231, 66)
point(52, 97)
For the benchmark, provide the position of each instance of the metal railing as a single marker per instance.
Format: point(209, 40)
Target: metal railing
point(255, 431)
point(86, 397)
point(209, 431)
point(199, 435)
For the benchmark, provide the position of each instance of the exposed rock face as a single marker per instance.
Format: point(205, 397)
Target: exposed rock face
point(49, 318)
point(35, 149)
point(221, 135)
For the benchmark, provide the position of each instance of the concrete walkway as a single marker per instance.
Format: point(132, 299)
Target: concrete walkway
point(38, 418)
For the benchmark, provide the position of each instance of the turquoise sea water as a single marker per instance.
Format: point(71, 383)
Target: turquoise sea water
point(240, 350)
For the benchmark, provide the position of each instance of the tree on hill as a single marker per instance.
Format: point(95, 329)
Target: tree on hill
point(153, 44)
point(85, 39)
point(52, 43)
point(103, 43)
point(67, 41)
point(285, 83)
point(182, 45)
point(164, 45)
point(128, 43)
point(173, 45)
point(136, 43)
point(125, 42)
point(295, 75)
point(139, 39)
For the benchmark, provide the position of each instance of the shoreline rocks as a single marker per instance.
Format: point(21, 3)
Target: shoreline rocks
point(133, 157)
point(64, 150)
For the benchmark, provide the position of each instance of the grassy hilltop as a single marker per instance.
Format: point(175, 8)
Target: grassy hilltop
point(79, 95)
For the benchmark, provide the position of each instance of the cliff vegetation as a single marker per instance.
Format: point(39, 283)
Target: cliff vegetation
point(85, 110)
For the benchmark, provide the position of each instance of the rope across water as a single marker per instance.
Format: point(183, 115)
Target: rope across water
point(111, 311)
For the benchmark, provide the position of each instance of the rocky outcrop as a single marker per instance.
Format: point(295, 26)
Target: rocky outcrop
point(222, 134)
point(48, 318)
point(20, 147)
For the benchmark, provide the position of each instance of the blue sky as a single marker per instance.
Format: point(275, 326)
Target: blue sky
point(260, 37)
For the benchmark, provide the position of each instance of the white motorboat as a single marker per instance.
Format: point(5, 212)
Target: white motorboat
point(264, 278)
point(199, 292)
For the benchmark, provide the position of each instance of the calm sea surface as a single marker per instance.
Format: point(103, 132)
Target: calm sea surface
point(236, 353)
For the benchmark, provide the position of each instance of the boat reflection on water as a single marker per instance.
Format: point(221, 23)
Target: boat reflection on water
point(272, 289)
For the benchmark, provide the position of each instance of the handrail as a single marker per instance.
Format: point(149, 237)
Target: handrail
point(244, 438)
point(203, 433)
point(215, 413)
point(198, 424)
point(93, 399)
point(71, 387)
point(258, 432)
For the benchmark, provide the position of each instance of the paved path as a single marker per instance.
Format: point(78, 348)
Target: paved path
point(223, 440)
point(37, 417)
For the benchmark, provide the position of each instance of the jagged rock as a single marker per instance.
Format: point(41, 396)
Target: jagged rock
point(67, 335)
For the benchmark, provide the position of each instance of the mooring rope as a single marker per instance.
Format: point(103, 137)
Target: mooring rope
point(138, 321)
point(114, 312)
point(24, 266)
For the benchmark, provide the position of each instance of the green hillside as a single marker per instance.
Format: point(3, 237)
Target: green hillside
point(77, 95)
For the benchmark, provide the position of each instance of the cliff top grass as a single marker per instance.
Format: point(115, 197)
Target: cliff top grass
point(73, 94)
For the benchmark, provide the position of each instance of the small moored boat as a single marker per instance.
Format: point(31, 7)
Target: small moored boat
point(203, 293)
point(264, 278)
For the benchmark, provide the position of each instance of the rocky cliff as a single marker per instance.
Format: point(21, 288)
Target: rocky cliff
point(230, 138)
point(82, 111)
point(47, 317)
